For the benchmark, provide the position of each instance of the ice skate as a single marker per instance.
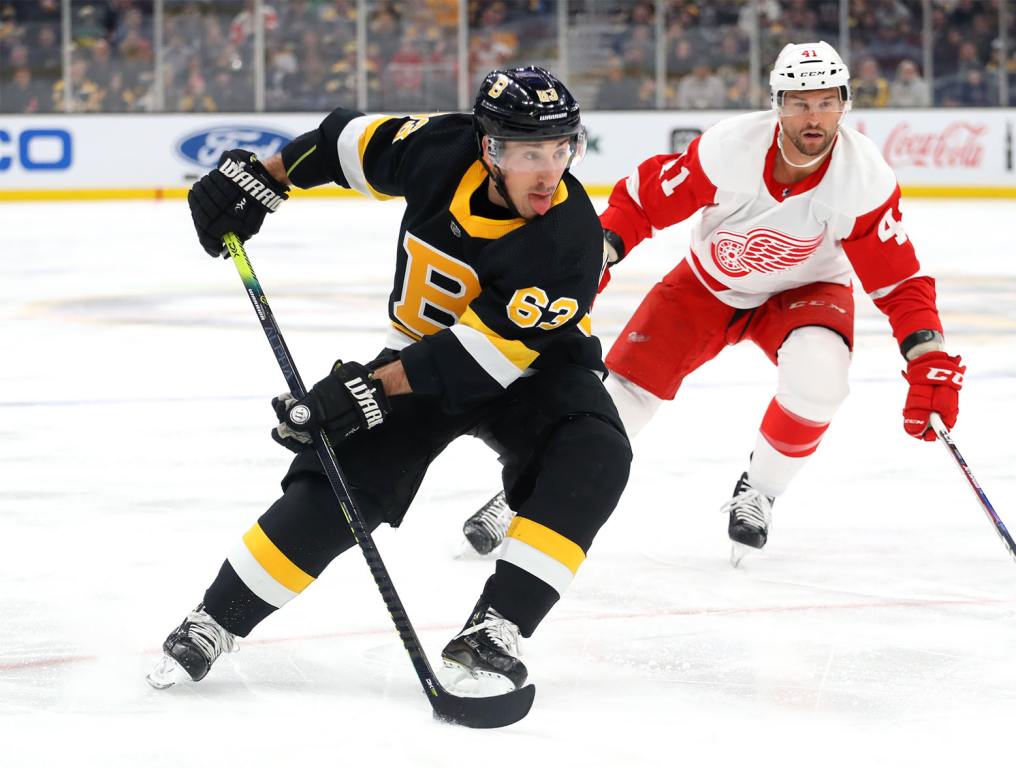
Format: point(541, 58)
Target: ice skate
point(486, 528)
point(483, 659)
point(750, 513)
point(191, 649)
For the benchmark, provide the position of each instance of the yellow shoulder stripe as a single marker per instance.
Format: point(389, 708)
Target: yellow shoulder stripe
point(515, 351)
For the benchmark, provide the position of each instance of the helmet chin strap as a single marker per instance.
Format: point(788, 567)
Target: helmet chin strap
point(498, 177)
point(791, 163)
point(810, 163)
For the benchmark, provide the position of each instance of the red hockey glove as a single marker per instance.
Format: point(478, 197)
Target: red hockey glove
point(935, 379)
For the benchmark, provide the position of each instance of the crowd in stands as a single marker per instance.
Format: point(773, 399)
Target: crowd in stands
point(707, 49)
point(410, 59)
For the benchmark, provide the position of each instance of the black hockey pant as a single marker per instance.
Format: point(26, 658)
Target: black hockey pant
point(564, 473)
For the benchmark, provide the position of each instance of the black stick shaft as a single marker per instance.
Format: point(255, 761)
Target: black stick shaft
point(326, 454)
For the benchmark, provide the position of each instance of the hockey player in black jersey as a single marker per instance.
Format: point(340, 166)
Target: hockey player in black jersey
point(497, 263)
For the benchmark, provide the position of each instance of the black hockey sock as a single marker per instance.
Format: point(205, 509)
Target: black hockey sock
point(231, 603)
point(519, 596)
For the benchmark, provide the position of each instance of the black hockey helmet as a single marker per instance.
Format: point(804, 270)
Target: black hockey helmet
point(524, 103)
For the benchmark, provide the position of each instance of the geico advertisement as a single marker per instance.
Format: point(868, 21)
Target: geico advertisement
point(930, 148)
point(136, 152)
point(35, 150)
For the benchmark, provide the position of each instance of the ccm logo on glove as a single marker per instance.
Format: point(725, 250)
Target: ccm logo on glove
point(935, 380)
point(944, 374)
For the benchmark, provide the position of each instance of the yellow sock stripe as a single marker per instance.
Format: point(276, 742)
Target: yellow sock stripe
point(518, 353)
point(275, 563)
point(548, 541)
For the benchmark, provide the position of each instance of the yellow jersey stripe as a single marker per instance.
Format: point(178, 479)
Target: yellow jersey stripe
point(480, 226)
point(586, 325)
point(275, 563)
point(548, 541)
point(362, 143)
point(513, 350)
point(402, 329)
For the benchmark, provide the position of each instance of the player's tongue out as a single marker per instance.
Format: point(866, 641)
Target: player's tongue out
point(540, 201)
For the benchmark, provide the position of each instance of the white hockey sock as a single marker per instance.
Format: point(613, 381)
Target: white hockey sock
point(812, 369)
point(635, 405)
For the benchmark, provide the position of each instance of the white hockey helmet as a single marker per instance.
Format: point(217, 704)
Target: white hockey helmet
point(808, 67)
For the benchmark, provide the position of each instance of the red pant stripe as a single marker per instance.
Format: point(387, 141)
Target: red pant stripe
point(789, 433)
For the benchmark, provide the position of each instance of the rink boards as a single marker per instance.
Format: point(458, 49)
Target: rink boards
point(939, 152)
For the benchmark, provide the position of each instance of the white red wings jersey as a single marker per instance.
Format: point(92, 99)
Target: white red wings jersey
point(756, 237)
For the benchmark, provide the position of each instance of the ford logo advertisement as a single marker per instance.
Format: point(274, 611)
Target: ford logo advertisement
point(204, 148)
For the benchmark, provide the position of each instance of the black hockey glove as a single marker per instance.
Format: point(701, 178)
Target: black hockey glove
point(613, 247)
point(344, 402)
point(233, 198)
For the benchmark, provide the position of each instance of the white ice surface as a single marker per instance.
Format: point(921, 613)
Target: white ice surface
point(878, 628)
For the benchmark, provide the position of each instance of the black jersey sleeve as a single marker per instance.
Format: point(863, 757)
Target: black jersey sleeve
point(377, 155)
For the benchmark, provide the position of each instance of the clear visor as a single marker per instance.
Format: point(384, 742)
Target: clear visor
point(543, 156)
point(790, 104)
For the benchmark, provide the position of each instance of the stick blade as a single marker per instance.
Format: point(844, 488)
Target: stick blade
point(486, 711)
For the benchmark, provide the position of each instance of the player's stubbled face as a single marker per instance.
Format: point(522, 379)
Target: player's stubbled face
point(810, 119)
point(532, 171)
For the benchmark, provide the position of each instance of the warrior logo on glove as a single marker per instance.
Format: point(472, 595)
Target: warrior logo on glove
point(364, 397)
point(238, 173)
point(233, 197)
point(347, 400)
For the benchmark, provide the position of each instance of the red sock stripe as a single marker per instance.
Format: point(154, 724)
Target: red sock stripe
point(789, 433)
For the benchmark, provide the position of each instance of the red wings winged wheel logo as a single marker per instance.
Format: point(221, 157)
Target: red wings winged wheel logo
point(761, 250)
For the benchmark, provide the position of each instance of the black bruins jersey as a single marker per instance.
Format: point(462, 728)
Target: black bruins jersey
point(478, 301)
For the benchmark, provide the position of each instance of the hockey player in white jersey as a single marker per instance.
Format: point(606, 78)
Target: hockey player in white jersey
point(792, 204)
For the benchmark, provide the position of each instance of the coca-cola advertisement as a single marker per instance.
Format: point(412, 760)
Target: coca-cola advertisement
point(959, 145)
point(947, 148)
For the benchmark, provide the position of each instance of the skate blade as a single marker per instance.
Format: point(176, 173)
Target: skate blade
point(739, 551)
point(166, 674)
point(463, 681)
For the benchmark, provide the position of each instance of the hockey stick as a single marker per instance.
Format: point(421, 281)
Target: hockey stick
point(947, 441)
point(474, 712)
